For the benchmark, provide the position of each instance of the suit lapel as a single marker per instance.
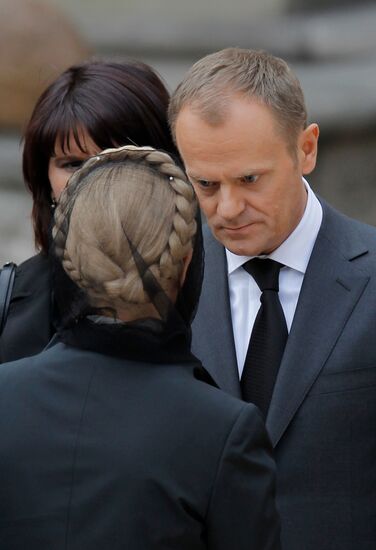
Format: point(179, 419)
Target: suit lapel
point(213, 340)
point(331, 288)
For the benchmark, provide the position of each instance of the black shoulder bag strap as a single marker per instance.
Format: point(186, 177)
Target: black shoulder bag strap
point(6, 286)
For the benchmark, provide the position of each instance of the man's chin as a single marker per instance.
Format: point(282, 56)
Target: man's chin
point(241, 251)
point(240, 248)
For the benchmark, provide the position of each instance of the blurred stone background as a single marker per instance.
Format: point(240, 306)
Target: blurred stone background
point(331, 44)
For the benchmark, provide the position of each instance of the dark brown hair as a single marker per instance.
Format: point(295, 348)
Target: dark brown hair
point(116, 103)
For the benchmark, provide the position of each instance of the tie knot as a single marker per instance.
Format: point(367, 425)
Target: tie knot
point(265, 273)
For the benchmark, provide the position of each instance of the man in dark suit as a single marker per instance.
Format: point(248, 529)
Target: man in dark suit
point(240, 123)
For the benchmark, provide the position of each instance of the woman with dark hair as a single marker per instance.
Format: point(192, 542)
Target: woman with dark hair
point(88, 108)
point(114, 437)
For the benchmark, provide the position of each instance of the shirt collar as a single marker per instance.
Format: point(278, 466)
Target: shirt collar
point(296, 250)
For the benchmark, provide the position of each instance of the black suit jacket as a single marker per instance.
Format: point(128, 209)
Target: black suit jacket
point(322, 417)
point(99, 452)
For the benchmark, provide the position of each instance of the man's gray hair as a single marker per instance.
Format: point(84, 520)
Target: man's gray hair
point(211, 83)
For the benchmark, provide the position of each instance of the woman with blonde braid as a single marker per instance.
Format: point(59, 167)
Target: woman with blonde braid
point(116, 437)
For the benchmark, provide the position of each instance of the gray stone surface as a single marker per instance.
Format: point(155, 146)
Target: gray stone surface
point(346, 174)
point(195, 28)
point(10, 162)
point(36, 43)
point(15, 204)
point(16, 240)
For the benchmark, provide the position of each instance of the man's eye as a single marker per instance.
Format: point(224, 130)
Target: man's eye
point(205, 183)
point(249, 178)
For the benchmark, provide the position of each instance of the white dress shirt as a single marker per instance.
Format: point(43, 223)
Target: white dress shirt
point(294, 253)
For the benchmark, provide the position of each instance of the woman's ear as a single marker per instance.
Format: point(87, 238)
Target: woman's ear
point(186, 262)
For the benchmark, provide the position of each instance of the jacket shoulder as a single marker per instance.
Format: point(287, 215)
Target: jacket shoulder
point(352, 238)
point(28, 326)
point(31, 273)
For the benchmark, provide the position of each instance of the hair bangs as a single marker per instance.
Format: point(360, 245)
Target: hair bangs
point(70, 126)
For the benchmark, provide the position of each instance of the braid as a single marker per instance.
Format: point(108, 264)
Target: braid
point(184, 223)
point(111, 283)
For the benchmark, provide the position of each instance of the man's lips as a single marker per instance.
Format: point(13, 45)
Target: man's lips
point(235, 230)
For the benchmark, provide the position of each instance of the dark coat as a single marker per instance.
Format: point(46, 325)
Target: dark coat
point(101, 452)
point(322, 417)
point(28, 328)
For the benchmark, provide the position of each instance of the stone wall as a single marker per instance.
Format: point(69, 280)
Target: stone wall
point(37, 42)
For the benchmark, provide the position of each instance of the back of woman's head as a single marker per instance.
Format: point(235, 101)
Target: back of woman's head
point(126, 221)
point(115, 103)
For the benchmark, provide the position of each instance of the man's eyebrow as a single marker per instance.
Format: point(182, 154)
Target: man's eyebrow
point(194, 176)
point(200, 178)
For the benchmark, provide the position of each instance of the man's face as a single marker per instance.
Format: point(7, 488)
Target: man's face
point(247, 181)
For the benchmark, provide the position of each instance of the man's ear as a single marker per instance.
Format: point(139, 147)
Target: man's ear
point(186, 262)
point(307, 148)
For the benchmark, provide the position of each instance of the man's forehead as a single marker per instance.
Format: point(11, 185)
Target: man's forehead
point(217, 106)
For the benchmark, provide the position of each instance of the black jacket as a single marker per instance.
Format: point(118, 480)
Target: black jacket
point(102, 452)
point(28, 328)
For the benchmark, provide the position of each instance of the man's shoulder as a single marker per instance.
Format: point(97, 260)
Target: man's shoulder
point(332, 212)
point(350, 233)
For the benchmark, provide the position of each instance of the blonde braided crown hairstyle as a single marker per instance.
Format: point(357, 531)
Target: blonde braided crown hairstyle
point(122, 200)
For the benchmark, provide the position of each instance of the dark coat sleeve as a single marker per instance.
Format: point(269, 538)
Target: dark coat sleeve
point(242, 512)
point(28, 327)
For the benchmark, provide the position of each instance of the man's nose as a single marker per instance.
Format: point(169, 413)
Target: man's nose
point(230, 202)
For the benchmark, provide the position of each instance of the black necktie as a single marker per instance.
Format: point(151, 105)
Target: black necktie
point(268, 338)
